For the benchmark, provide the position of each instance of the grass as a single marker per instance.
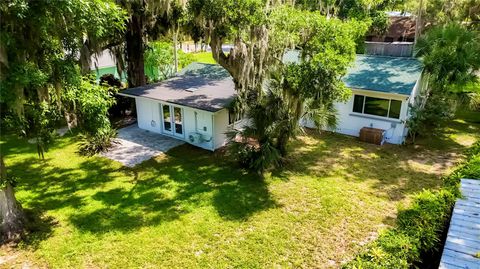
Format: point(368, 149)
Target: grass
point(193, 208)
point(204, 57)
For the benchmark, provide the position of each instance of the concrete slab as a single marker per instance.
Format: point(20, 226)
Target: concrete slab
point(135, 145)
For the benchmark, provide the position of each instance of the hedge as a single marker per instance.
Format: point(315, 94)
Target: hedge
point(419, 227)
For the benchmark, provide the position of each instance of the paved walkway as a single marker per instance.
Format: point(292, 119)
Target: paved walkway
point(136, 145)
point(462, 248)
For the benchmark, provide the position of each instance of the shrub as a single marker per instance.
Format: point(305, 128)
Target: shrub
point(99, 142)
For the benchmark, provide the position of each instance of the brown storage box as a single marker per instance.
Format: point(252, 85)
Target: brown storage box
point(372, 135)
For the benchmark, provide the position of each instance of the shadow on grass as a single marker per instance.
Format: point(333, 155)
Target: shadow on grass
point(166, 188)
point(39, 227)
point(395, 171)
point(101, 197)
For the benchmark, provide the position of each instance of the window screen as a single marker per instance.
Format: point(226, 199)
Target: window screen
point(358, 103)
point(376, 106)
point(395, 107)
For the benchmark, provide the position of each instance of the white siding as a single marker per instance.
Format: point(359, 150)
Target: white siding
point(350, 122)
point(221, 128)
point(148, 114)
point(204, 126)
point(149, 110)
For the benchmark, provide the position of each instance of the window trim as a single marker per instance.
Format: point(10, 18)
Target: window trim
point(368, 114)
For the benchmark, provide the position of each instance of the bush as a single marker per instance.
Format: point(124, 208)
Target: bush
point(420, 226)
point(99, 142)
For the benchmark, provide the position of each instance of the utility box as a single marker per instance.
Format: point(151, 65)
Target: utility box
point(372, 135)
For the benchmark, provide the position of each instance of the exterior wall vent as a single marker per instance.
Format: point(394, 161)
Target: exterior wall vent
point(192, 89)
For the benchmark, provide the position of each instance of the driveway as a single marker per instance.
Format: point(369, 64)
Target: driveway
point(135, 145)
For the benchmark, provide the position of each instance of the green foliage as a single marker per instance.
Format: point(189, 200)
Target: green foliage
point(92, 144)
point(451, 57)
point(91, 103)
point(426, 116)
point(418, 230)
point(159, 60)
point(297, 91)
point(42, 120)
point(40, 43)
point(418, 227)
point(438, 12)
point(184, 58)
point(470, 169)
point(450, 54)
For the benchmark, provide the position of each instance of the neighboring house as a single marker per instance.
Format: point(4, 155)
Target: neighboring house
point(104, 63)
point(192, 106)
point(401, 28)
point(397, 40)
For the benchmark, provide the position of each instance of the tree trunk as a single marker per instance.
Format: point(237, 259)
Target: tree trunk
point(418, 23)
point(11, 212)
point(85, 58)
point(19, 100)
point(135, 49)
point(175, 49)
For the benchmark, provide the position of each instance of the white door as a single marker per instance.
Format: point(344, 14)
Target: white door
point(172, 120)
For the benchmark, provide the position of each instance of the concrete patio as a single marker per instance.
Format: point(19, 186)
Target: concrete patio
point(135, 145)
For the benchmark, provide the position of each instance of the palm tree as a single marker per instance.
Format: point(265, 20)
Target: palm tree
point(276, 119)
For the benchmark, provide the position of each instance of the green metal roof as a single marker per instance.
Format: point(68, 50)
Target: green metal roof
point(384, 74)
point(377, 73)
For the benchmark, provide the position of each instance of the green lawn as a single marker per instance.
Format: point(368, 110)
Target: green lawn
point(204, 57)
point(193, 208)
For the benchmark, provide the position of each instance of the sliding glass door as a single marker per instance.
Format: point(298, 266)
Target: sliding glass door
point(172, 120)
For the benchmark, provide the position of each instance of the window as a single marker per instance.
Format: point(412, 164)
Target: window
point(177, 114)
point(377, 106)
point(167, 124)
point(358, 103)
point(395, 107)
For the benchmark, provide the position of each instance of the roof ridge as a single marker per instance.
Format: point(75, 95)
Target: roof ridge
point(386, 56)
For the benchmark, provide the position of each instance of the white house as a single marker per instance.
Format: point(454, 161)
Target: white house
point(192, 106)
point(382, 89)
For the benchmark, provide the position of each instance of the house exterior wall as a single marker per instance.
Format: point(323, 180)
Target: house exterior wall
point(350, 123)
point(148, 115)
point(211, 125)
point(221, 128)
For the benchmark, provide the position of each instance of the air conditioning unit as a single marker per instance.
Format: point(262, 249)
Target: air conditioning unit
point(372, 135)
point(195, 138)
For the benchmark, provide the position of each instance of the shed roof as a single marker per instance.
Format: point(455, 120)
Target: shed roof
point(203, 86)
point(377, 73)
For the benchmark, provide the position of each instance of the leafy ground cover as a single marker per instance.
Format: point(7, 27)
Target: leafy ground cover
point(193, 208)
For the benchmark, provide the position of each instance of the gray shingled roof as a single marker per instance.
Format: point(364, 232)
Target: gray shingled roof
point(378, 73)
point(213, 88)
